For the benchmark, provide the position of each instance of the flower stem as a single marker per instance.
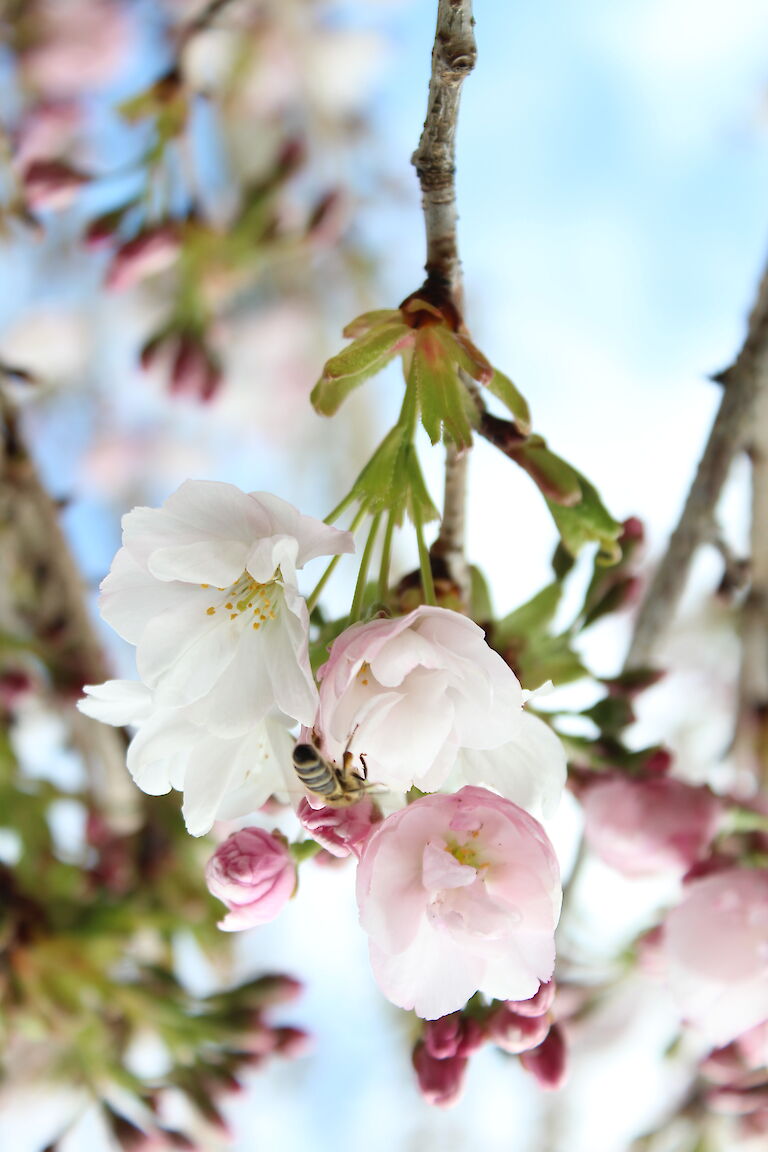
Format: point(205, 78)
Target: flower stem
point(427, 582)
point(357, 600)
point(337, 511)
point(315, 594)
point(386, 555)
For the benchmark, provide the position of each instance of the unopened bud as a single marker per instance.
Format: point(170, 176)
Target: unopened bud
point(51, 184)
point(549, 1062)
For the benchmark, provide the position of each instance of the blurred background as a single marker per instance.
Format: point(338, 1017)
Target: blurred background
point(196, 199)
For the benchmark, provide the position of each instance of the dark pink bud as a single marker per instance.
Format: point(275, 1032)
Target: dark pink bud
point(152, 349)
point(341, 831)
point(472, 1037)
point(538, 1005)
point(738, 1101)
point(293, 1043)
point(194, 372)
point(15, 685)
point(443, 1036)
point(51, 184)
point(152, 251)
point(632, 529)
point(513, 1033)
point(549, 1062)
point(659, 762)
point(440, 1081)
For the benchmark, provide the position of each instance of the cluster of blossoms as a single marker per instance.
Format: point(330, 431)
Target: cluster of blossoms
point(458, 889)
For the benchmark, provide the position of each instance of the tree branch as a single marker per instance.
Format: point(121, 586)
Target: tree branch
point(453, 58)
point(727, 438)
point(42, 607)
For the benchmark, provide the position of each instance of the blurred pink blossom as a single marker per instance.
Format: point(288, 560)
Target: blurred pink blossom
point(642, 827)
point(51, 184)
point(715, 946)
point(253, 874)
point(459, 894)
point(79, 45)
point(515, 1033)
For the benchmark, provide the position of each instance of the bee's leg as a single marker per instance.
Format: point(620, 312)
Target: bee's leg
point(365, 766)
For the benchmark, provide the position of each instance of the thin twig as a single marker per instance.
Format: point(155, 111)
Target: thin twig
point(727, 438)
point(453, 58)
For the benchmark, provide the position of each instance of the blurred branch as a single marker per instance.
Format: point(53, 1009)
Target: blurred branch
point(728, 437)
point(751, 733)
point(453, 58)
point(42, 605)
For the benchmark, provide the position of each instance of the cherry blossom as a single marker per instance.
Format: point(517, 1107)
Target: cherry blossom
point(424, 696)
point(222, 778)
point(205, 587)
point(642, 827)
point(253, 874)
point(459, 894)
point(715, 945)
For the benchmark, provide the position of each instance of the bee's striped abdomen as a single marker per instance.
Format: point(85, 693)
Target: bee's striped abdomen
point(315, 773)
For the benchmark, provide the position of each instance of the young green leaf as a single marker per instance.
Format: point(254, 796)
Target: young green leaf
point(587, 522)
point(370, 320)
point(362, 359)
point(558, 481)
point(503, 389)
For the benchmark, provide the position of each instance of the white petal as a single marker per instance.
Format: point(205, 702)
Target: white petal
point(218, 562)
point(313, 536)
point(184, 651)
point(158, 753)
point(529, 770)
point(117, 702)
point(130, 597)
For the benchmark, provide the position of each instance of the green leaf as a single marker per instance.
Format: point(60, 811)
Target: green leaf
point(355, 364)
point(479, 595)
point(549, 658)
point(443, 399)
point(468, 356)
point(587, 522)
point(368, 320)
point(615, 597)
point(533, 616)
point(381, 484)
point(611, 714)
point(418, 493)
point(556, 479)
point(503, 389)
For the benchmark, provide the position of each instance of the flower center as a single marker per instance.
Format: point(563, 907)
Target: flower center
point(465, 853)
point(247, 600)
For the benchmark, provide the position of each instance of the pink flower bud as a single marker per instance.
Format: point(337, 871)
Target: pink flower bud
point(51, 184)
point(253, 874)
point(538, 1005)
point(293, 1043)
point(442, 1037)
point(513, 1033)
point(549, 1062)
point(440, 1081)
point(147, 254)
point(194, 372)
point(642, 827)
point(341, 831)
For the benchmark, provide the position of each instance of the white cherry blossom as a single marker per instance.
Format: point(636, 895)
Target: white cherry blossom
point(222, 778)
point(205, 587)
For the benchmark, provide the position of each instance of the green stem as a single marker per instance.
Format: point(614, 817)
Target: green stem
point(315, 594)
point(386, 554)
point(357, 600)
point(345, 503)
point(427, 582)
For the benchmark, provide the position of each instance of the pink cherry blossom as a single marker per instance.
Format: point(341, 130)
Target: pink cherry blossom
point(515, 1033)
point(341, 831)
point(715, 946)
point(205, 587)
point(642, 827)
point(146, 255)
point(253, 874)
point(459, 894)
point(426, 701)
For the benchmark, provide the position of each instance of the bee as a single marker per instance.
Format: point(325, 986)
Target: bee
point(337, 787)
